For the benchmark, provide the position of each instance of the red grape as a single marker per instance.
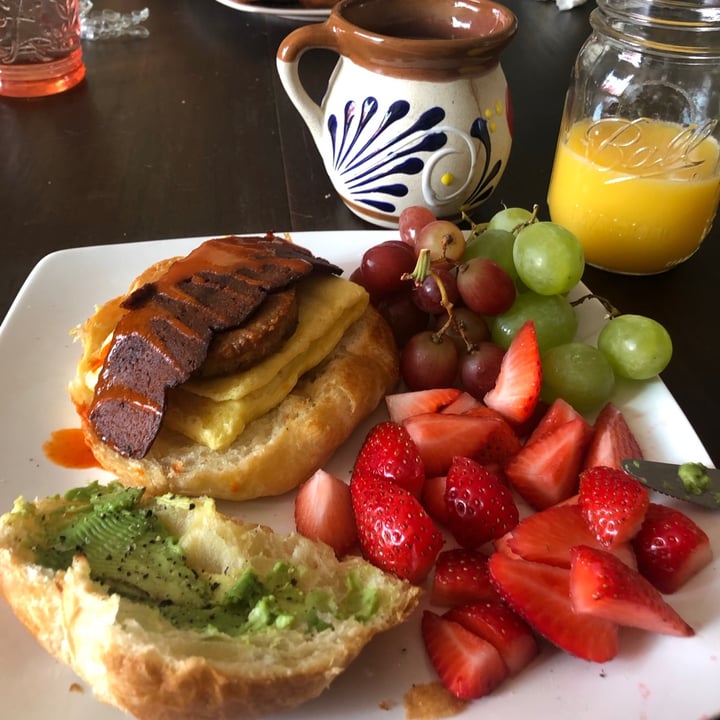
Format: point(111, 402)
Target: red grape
point(443, 239)
point(474, 327)
point(403, 316)
point(411, 221)
point(479, 369)
point(428, 360)
point(427, 295)
point(485, 287)
point(356, 276)
point(383, 266)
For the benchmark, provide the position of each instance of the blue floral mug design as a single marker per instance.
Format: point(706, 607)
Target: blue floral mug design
point(417, 111)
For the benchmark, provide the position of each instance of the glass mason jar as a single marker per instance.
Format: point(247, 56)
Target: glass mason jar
point(637, 168)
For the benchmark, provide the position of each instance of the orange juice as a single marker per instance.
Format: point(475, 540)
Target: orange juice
point(640, 195)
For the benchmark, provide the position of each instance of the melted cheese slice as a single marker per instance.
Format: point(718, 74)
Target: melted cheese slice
point(215, 411)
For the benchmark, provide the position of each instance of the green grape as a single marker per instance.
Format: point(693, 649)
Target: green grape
point(579, 374)
point(554, 317)
point(496, 245)
point(637, 347)
point(509, 219)
point(549, 259)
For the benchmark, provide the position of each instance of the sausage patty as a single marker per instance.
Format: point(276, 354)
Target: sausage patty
point(260, 336)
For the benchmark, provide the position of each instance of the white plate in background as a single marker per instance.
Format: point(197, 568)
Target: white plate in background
point(292, 10)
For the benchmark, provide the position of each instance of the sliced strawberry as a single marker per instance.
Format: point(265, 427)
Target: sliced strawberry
point(416, 402)
point(482, 410)
point(540, 594)
point(433, 498)
point(323, 511)
point(545, 472)
point(502, 545)
point(525, 429)
point(461, 577)
point(439, 437)
point(603, 587)
point(613, 504)
point(389, 453)
point(548, 536)
point(462, 403)
point(502, 444)
point(517, 390)
point(480, 506)
point(504, 628)
point(613, 440)
point(498, 469)
point(559, 413)
point(395, 532)
point(670, 547)
point(469, 666)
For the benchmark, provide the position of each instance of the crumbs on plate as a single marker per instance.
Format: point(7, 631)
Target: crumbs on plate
point(429, 701)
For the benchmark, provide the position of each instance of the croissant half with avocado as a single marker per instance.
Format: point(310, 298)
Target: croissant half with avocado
point(170, 610)
point(234, 372)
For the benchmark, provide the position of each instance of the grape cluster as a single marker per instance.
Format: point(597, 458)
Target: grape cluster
point(455, 301)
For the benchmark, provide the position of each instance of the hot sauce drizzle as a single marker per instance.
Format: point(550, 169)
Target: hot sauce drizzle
point(67, 448)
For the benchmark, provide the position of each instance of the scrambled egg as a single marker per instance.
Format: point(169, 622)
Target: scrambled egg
point(215, 411)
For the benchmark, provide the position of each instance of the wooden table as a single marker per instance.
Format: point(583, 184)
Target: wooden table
point(188, 132)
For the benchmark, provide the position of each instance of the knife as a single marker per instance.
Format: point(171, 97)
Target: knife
point(691, 481)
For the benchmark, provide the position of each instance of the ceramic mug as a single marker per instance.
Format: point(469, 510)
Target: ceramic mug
point(417, 110)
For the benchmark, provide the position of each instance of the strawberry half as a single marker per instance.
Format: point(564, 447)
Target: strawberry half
point(468, 665)
point(613, 440)
point(559, 413)
point(439, 437)
point(613, 504)
point(517, 389)
point(548, 536)
point(462, 403)
point(545, 472)
point(540, 594)
point(603, 587)
point(480, 506)
point(505, 629)
point(323, 511)
point(433, 498)
point(670, 547)
point(389, 453)
point(461, 577)
point(416, 402)
point(395, 532)
point(503, 442)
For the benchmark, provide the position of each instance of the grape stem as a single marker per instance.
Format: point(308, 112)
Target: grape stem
point(610, 310)
point(533, 218)
point(423, 270)
point(474, 227)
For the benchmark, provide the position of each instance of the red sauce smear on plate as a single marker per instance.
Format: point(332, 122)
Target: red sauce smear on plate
point(68, 449)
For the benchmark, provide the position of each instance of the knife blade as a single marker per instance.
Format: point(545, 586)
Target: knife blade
point(692, 482)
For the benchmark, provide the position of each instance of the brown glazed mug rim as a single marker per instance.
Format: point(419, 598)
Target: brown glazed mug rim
point(366, 40)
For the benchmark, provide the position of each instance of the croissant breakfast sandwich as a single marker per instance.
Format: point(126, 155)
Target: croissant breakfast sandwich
point(233, 372)
point(170, 610)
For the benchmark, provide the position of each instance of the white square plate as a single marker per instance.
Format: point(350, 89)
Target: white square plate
point(653, 678)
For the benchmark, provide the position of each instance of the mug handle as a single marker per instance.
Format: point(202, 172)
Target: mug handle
point(291, 50)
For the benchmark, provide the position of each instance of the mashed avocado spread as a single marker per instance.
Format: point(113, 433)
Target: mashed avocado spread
point(130, 551)
point(694, 478)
